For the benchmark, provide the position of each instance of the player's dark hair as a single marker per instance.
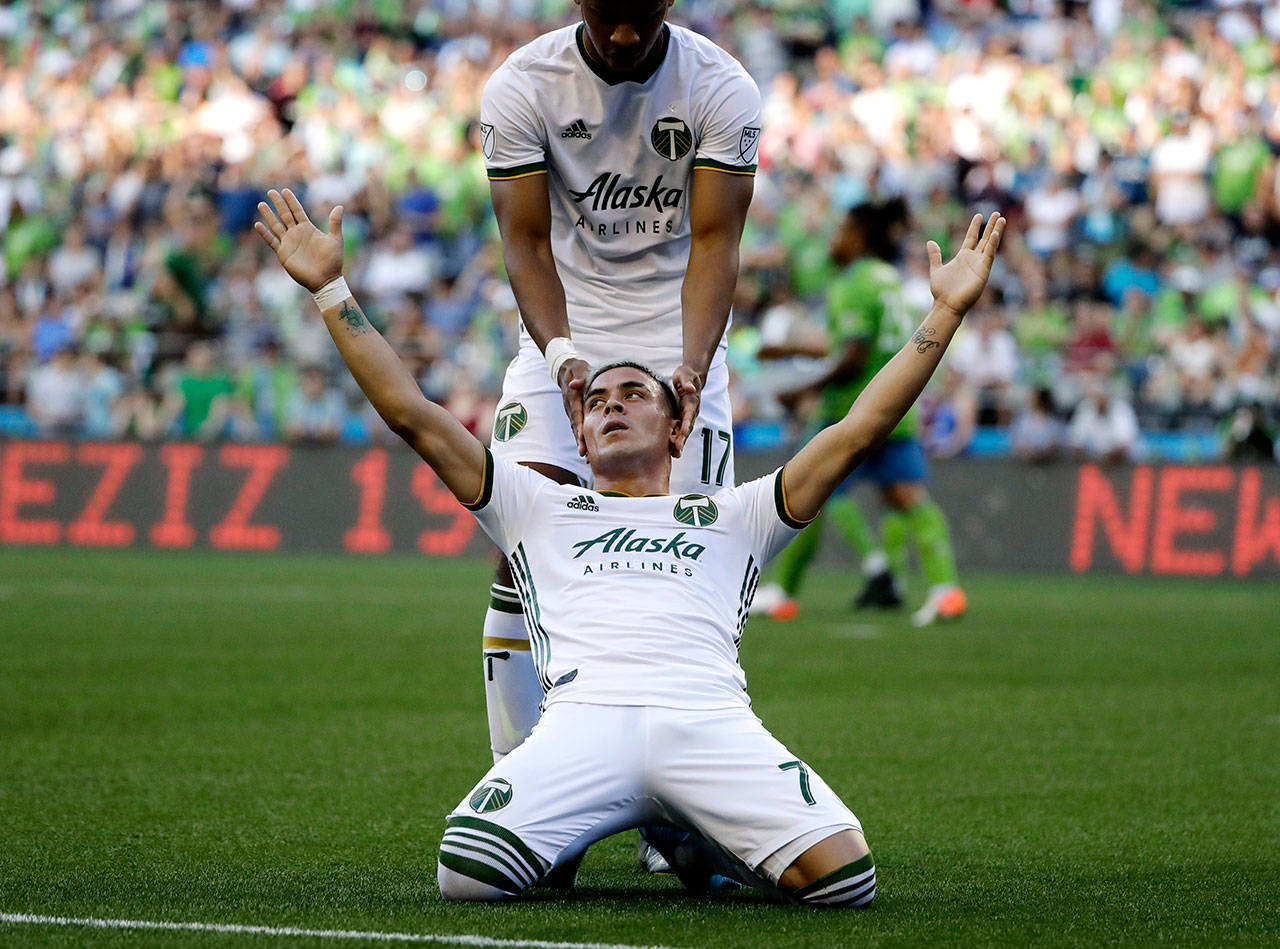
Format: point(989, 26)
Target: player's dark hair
point(668, 393)
point(880, 223)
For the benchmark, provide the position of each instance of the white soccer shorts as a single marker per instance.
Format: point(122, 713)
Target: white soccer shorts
point(530, 425)
point(589, 771)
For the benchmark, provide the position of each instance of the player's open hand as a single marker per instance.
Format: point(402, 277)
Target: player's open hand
point(310, 256)
point(688, 385)
point(573, 386)
point(957, 284)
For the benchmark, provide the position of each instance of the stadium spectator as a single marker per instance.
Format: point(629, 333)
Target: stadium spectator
point(1104, 427)
point(1136, 144)
point(199, 401)
point(1037, 434)
point(986, 356)
point(56, 394)
point(315, 410)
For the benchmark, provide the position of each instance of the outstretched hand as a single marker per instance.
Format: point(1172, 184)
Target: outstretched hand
point(958, 283)
point(310, 257)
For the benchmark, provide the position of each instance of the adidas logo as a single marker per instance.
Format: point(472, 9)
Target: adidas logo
point(583, 503)
point(577, 130)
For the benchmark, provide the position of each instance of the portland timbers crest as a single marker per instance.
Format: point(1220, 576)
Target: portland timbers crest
point(512, 418)
point(493, 795)
point(671, 138)
point(696, 510)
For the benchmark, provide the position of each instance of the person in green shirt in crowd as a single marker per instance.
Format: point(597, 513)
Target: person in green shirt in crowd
point(200, 400)
point(868, 323)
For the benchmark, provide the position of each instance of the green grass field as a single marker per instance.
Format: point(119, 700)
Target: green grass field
point(275, 741)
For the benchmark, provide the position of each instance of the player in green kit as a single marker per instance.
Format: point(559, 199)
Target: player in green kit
point(869, 322)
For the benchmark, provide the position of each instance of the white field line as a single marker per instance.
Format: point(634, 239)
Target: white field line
point(458, 940)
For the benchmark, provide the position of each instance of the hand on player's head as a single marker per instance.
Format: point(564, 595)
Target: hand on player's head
point(310, 257)
point(687, 383)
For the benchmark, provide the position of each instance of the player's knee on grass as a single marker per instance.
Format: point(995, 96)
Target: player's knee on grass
point(480, 860)
point(836, 872)
point(852, 886)
point(459, 886)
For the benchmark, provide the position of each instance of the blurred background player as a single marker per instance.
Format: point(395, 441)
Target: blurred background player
point(620, 153)
point(869, 322)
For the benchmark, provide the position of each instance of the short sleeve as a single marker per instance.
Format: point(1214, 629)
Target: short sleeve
point(512, 136)
point(506, 500)
point(764, 505)
point(729, 133)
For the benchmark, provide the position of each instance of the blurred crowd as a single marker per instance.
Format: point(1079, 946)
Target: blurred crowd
point(1133, 146)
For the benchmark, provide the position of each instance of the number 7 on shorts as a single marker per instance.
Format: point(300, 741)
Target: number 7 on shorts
point(804, 778)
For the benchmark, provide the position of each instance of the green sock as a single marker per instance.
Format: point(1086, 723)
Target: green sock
point(895, 527)
point(933, 540)
point(794, 561)
point(852, 525)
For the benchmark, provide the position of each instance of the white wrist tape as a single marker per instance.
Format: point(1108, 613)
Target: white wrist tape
point(559, 351)
point(332, 293)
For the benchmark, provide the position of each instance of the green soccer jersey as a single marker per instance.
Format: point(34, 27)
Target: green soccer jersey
point(865, 302)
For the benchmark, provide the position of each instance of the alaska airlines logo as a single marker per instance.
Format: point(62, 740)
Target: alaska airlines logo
point(623, 540)
point(607, 193)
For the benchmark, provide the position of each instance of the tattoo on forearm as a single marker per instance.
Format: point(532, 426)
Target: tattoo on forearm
point(357, 325)
point(923, 341)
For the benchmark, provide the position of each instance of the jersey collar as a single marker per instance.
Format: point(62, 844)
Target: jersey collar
point(623, 494)
point(608, 77)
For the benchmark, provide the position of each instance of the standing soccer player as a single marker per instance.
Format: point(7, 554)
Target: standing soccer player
point(621, 153)
point(868, 324)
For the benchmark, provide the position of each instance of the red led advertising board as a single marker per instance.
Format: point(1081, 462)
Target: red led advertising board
point(1175, 520)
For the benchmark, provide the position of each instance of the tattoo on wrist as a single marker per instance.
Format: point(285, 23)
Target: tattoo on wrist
point(923, 341)
point(357, 325)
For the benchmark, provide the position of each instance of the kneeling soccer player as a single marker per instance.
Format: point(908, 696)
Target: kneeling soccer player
point(636, 602)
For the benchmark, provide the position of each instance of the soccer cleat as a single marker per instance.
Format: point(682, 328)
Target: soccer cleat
point(880, 592)
point(944, 602)
point(649, 859)
point(772, 601)
point(689, 857)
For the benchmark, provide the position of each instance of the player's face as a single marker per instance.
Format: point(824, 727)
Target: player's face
point(625, 417)
point(623, 32)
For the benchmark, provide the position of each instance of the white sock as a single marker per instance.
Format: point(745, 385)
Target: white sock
point(511, 688)
point(875, 563)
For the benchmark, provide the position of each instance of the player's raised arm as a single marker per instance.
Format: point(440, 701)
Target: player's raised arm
point(818, 469)
point(314, 259)
point(718, 206)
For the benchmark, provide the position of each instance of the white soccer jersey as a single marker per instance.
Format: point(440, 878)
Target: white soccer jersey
point(635, 601)
point(620, 161)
